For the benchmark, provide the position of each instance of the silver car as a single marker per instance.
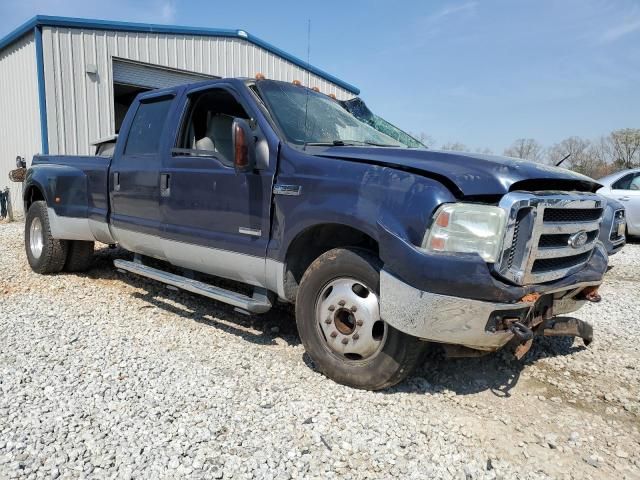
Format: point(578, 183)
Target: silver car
point(625, 187)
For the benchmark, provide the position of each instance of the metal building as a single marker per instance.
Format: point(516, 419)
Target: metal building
point(67, 82)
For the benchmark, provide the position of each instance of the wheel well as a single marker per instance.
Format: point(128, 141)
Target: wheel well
point(32, 195)
point(315, 241)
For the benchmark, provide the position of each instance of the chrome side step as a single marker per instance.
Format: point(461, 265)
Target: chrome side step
point(258, 303)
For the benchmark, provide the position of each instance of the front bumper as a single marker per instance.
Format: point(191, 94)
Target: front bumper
point(463, 321)
point(467, 275)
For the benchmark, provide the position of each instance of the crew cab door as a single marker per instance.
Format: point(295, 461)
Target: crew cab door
point(217, 217)
point(134, 186)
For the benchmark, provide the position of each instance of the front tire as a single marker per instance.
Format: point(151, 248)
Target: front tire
point(338, 319)
point(44, 253)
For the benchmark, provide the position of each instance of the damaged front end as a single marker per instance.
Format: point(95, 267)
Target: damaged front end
point(549, 265)
point(470, 327)
point(540, 320)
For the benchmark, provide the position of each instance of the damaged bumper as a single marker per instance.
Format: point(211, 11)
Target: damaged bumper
point(477, 324)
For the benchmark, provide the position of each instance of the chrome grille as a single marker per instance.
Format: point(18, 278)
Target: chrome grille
point(549, 235)
point(561, 240)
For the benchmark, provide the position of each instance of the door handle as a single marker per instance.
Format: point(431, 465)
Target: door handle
point(165, 184)
point(624, 199)
point(116, 181)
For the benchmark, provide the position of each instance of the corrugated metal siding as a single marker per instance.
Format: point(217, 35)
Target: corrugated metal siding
point(80, 105)
point(19, 111)
point(129, 73)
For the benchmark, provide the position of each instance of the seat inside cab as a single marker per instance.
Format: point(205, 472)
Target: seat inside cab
point(210, 123)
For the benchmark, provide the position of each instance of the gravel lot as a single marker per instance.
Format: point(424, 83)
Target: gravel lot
point(109, 375)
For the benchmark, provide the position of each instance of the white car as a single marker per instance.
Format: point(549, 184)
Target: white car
point(625, 187)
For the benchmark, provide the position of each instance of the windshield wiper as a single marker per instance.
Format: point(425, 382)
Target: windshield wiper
point(347, 143)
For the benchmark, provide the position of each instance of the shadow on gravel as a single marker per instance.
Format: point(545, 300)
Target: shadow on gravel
point(263, 329)
point(498, 372)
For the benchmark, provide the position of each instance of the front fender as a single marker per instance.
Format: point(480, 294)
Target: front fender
point(357, 195)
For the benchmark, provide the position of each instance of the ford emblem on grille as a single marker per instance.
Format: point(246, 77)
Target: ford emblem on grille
point(578, 239)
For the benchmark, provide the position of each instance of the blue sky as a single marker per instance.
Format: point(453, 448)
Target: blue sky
point(480, 72)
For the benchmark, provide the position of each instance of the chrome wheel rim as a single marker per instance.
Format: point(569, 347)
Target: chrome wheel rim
point(348, 317)
point(36, 239)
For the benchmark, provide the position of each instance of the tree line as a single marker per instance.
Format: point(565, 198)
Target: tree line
point(620, 150)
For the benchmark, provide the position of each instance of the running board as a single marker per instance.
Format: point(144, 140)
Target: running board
point(258, 303)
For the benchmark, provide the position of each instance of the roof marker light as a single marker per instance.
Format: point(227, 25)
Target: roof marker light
point(242, 33)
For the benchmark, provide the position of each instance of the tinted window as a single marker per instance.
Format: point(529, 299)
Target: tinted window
point(628, 182)
point(146, 129)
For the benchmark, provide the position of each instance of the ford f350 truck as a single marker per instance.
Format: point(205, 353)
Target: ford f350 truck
point(382, 247)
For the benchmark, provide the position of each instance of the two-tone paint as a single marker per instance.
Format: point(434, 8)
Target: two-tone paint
point(243, 225)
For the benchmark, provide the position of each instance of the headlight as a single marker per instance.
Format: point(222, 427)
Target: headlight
point(467, 227)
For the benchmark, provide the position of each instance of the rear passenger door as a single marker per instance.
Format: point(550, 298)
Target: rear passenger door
point(136, 219)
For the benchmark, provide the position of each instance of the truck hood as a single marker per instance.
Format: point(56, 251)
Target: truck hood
point(469, 174)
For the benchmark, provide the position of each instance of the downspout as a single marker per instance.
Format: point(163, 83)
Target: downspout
point(44, 129)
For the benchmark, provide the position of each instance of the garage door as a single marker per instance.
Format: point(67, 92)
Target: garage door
point(151, 76)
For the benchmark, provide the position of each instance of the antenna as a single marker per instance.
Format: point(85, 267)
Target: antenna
point(306, 103)
point(558, 164)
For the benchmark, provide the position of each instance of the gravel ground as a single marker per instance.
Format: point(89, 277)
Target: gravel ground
point(109, 375)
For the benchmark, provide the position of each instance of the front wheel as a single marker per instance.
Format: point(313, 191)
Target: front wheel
point(338, 319)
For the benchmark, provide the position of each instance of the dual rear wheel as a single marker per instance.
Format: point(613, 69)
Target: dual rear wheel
point(51, 255)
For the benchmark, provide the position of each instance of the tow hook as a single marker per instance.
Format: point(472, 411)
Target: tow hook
point(521, 331)
point(524, 336)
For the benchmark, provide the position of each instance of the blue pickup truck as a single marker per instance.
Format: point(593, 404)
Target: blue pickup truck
point(383, 246)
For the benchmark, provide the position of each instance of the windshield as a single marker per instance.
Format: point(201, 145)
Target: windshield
point(307, 117)
point(359, 109)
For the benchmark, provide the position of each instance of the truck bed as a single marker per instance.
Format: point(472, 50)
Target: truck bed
point(81, 184)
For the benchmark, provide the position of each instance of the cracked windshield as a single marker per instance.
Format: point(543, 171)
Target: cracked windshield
point(311, 118)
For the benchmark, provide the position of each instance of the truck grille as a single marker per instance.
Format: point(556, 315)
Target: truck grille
point(572, 215)
point(549, 235)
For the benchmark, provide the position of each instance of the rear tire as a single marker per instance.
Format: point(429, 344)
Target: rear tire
point(44, 253)
point(79, 256)
point(337, 314)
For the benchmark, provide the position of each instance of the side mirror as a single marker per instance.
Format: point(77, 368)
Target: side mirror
point(21, 162)
point(244, 146)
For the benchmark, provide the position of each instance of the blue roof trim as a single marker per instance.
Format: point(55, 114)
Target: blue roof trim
point(21, 31)
point(42, 96)
point(69, 22)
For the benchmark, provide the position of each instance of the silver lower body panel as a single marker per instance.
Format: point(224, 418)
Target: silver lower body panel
point(221, 263)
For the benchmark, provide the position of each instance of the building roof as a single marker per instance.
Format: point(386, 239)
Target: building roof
point(69, 22)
